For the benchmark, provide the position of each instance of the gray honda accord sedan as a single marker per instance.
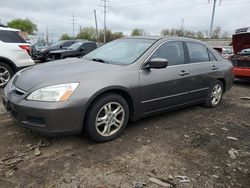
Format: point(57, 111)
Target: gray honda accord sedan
point(127, 79)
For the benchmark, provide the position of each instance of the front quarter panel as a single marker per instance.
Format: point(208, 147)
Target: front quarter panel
point(125, 78)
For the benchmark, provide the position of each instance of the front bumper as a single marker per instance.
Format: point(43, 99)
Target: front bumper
point(38, 55)
point(240, 72)
point(48, 117)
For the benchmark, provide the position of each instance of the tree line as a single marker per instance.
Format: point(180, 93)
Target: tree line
point(89, 33)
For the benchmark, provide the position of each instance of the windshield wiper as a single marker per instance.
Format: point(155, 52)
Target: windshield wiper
point(98, 60)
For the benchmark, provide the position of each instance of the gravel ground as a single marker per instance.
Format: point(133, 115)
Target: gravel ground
point(190, 142)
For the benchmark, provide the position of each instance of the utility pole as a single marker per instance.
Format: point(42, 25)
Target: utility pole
point(96, 27)
point(212, 20)
point(73, 24)
point(104, 5)
point(182, 27)
point(47, 36)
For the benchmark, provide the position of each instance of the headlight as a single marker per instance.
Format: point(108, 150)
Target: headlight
point(53, 93)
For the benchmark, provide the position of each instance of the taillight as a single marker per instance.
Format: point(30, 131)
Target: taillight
point(25, 47)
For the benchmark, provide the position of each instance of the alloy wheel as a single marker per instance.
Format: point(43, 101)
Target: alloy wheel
point(216, 94)
point(110, 119)
point(4, 76)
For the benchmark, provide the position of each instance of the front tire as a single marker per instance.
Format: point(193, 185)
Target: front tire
point(214, 95)
point(107, 117)
point(5, 74)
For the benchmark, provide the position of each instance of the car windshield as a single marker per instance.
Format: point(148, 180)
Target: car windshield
point(75, 46)
point(121, 51)
point(58, 43)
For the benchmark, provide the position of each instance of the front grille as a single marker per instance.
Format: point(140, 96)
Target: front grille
point(241, 63)
point(13, 89)
point(18, 92)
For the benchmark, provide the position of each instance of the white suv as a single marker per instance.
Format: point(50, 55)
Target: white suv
point(14, 54)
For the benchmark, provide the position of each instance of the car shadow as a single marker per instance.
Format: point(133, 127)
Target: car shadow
point(245, 83)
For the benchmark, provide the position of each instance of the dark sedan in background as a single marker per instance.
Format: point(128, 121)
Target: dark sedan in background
point(126, 79)
point(78, 49)
point(41, 53)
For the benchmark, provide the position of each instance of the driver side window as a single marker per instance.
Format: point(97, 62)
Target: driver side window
point(172, 51)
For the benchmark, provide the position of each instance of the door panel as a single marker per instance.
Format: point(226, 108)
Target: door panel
point(202, 71)
point(164, 88)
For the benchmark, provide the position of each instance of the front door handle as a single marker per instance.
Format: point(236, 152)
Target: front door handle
point(214, 67)
point(183, 73)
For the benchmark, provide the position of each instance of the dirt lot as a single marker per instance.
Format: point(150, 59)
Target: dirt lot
point(191, 142)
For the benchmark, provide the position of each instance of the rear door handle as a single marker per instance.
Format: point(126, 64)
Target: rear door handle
point(183, 73)
point(214, 67)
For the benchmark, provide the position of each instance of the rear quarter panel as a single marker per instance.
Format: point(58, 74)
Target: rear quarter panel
point(13, 52)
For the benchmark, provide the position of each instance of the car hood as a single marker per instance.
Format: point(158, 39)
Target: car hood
point(58, 72)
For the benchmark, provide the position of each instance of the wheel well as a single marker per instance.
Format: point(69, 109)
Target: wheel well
point(223, 82)
point(120, 92)
point(8, 62)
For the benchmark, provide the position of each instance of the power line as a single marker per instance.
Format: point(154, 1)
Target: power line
point(135, 5)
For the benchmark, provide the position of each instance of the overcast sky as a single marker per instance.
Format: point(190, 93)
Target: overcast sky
point(124, 15)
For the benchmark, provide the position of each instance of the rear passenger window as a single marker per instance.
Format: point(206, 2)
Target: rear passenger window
point(11, 37)
point(197, 52)
point(172, 51)
point(211, 56)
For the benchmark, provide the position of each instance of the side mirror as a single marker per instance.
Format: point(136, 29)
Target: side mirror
point(157, 63)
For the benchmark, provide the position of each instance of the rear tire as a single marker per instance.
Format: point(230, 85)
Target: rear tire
point(5, 74)
point(107, 118)
point(214, 95)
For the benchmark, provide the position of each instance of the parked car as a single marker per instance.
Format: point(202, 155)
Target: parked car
point(14, 54)
point(241, 57)
point(38, 46)
point(226, 51)
point(78, 49)
point(42, 53)
point(126, 79)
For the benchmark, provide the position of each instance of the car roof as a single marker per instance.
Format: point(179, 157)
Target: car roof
point(165, 38)
point(8, 29)
point(68, 40)
point(84, 41)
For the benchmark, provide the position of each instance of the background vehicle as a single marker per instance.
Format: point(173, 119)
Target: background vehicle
point(42, 53)
point(241, 59)
point(78, 49)
point(14, 54)
point(226, 51)
point(129, 78)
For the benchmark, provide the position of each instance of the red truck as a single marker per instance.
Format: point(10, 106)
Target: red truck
point(241, 57)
